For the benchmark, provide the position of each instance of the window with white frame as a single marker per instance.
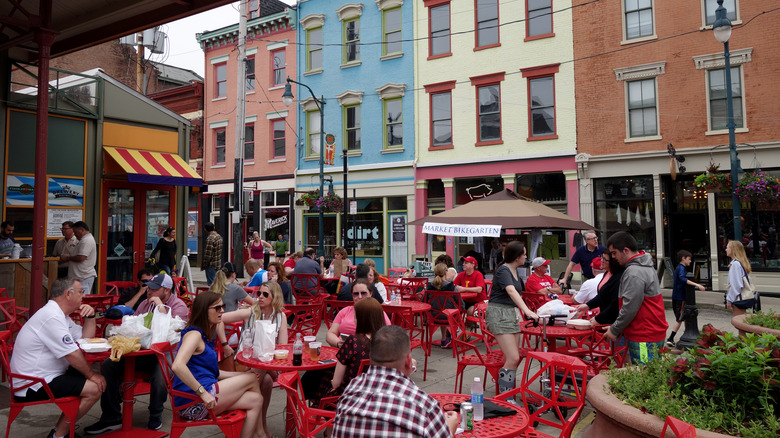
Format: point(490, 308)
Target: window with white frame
point(219, 146)
point(642, 108)
point(220, 80)
point(250, 73)
point(249, 142)
point(638, 18)
point(439, 18)
point(314, 49)
point(539, 18)
point(711, 5)
point(351, 117)
point(313, 133)
point(277, 138)
point(487, 23)
point(279, 65)
point(351, 35)
point(716, 93)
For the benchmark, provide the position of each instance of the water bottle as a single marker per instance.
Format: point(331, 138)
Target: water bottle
point(392, 296)
point(247, 341)
point(477, 399)
point(298, 350)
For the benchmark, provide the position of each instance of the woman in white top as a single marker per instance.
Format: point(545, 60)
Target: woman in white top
point(739, 267)
point(373, 278)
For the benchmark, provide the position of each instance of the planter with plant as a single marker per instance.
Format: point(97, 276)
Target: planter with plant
point(712, 181)
point(759, 322)
point(330, 203)
point(725, 385)
point(759, 187)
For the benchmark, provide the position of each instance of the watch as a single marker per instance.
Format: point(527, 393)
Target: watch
point(200, 390)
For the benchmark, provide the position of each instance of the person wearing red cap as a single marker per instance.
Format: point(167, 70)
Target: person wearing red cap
point(471, 280)
point(539, 281)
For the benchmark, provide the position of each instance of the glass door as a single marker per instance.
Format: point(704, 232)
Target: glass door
point(120, 238)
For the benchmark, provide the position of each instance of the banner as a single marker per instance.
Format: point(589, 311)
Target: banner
point(330, 149)
point(464, 230)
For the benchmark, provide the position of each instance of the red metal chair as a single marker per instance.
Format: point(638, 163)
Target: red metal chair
point(534, 300)
point(68, 405)
point(252, 290)
point(308, 421)
point(229, 422)
point(492, 361)
point(599, 353)
point(330, 402)
point(101, 303)
point(552, 391)
point(117, 287)
point(331, 307)
point(307, 289)
point(488, 287)
point(10, 314)
point(395, 273)
point(412, 288)
point(403, 317)
point(307, 319)
point(22, 313)
point(680, 428)
point(440, 301)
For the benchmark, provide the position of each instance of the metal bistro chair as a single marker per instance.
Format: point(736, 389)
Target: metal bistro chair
point(461, 346)
point(308, 421)
point(403, 317)
point(441, 301)
point(331, 307)
point(412, 288)
point(307, 289)
point(307, 319)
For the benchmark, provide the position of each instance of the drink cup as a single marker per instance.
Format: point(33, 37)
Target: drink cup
point(306, 341)
point(314, 351)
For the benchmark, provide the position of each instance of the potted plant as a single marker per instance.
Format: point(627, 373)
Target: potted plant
point(759, 322)
point(713, 181)
point(759, 187)
point(724, 385)
point(330, 203)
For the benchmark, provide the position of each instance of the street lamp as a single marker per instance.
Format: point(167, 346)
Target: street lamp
point(721, 28)
point(287, 98)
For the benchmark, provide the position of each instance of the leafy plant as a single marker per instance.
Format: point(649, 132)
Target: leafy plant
point(330, 203)
point(769, 319)
point(724, 384)
point(712, 180)
point(759, 187)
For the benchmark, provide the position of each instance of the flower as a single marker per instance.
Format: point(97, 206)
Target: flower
point(758, 187)
point(720, 182)
point(329, 203)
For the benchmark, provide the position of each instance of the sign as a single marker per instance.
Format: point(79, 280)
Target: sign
point(399, 228)
point(352, 207)
point(56, 216)
point(330, 149)
point(62, 192)
point(459, 230)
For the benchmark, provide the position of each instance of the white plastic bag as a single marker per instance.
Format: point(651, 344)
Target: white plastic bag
point(555, 307)
point(160, 323)
point(265, 341)
point(174, 330)
point(133, 327)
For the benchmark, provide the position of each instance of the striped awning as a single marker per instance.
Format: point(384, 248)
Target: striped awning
point(153, 167)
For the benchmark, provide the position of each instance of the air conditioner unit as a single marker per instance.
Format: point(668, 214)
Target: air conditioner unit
point(129, 40)
point(154, 39)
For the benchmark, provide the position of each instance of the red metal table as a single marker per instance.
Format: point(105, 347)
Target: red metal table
point(555, 332)
point(326, 353)
point(499, 427)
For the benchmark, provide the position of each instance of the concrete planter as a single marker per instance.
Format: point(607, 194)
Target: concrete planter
point(616, 419)
point(739, 323)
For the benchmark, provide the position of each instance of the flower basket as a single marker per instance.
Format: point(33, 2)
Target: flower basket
point(714, 182)
point(759, 187)
point(330, 203)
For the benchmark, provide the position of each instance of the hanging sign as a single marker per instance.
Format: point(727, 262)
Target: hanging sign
point(464, 230)
point(330, 149)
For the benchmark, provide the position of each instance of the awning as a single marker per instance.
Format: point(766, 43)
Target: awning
point(153, 167)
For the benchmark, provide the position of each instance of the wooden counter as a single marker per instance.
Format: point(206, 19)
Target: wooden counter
point(15, 276)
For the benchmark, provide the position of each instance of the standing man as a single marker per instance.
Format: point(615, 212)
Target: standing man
point(46, 348)
point(583, 256)
point(65, 246)
point(281, 247)
point(82, 262)
point(6, 238)
point(212, 254)
point(642, 317)
point(471, 280)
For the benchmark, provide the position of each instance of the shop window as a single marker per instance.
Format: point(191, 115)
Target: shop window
point(626, 204)
point(542, 187)
point(396, 203)
point(367, 234)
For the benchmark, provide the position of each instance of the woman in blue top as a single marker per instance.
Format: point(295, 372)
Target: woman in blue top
point(197, 371)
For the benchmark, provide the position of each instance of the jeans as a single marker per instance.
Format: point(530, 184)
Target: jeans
point(114, 373)
point(210, 274)
point(643, 352)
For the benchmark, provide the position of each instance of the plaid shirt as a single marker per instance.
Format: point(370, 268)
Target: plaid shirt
point(382, 402)
point(212, 255)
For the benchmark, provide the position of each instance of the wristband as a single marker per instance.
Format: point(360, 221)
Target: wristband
point(90, 316)
point(224, 343)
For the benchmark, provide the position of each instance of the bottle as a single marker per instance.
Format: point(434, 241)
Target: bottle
point(392, 296)
point(477, 402)
point(298, 350)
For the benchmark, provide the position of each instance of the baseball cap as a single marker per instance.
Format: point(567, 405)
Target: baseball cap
point(470, 259)
point(539, 261)
point(596, 263)
point(160, 280)
point(229, 267)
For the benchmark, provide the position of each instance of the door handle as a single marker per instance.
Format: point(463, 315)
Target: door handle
point(135, 260)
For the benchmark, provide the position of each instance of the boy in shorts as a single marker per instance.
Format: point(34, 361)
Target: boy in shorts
point(678, 292)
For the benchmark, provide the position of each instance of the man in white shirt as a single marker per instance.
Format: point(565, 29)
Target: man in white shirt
point(82, 262)
point(65, 246)
point(46, 348)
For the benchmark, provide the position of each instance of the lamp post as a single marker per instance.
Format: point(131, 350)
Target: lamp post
point(721, 28)
point(287, 98)
point(344, 217)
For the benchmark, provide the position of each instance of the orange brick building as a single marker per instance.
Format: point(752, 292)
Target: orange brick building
point(650, 74)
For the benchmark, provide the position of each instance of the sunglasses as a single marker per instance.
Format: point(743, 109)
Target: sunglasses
point(264, 294)
point(220, 308)
point(359, 294)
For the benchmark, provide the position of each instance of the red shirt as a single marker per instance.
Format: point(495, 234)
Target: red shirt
point(474, 280)
point(536, 283)
point(289, 263)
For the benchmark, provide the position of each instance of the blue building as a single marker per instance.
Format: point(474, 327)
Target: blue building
point(359, 58)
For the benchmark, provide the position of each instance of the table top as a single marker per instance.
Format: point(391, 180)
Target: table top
point(468, 295)
point(509, 426)
point(417, 307)
point(327, 352)
point(103, 355)
point(556, 331)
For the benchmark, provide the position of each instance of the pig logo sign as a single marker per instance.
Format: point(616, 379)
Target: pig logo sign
point(480, 191)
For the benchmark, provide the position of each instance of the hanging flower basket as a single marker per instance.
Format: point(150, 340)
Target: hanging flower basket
point(759, 187)
point(331, 203)
point(712, 181)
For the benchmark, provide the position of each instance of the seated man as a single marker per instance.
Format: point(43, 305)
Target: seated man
point(589, 288)
point(111, 418)
point(361, 272)
point(539, 281)
point(471, 280)
point(132, 297)
point(384, 401)
point(46, 348)
point(257, 274)
point(289, 264)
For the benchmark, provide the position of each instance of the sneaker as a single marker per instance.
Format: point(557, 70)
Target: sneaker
point(103, 426)
point(155, 423)
point(670, 343)
point(51, 434)
point(446, 342)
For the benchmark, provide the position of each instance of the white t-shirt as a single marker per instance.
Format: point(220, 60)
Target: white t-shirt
point(381, 289)
point(589, 289)
point(42, 345)
point(86, 268)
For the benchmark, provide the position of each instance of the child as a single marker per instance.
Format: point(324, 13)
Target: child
point(678, 292)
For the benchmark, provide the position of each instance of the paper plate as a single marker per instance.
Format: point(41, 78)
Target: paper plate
point(579, 324)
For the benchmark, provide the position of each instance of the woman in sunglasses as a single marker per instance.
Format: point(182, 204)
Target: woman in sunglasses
point(197, 372)
point(344, 323)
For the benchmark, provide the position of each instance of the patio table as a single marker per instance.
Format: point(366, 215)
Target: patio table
point(499, 427)
point(555, 332)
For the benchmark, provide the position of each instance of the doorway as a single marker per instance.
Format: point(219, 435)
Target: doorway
point(687, 218)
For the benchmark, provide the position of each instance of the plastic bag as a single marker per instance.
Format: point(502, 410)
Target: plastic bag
point(160, 323)
point(133, 327)
point(174, 329)
point(556, 307)
point(265, 342)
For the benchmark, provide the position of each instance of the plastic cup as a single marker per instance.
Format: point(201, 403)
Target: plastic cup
point(314, 351)
point(306, 341)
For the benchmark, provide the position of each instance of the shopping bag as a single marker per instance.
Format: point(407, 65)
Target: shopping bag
point(160, 323)
point(133, 327)
point(265, 342)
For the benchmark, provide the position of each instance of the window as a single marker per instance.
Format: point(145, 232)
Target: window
point(220, 71)
point(352, 127)
point(250, 73)
point(642, 108)
point(393, 123)
point(219, 146)
point(249, 142)
point(313, 132)
point(541, 97)
point(711, 5)
point(716, 79)
point(639, 18)
point(487, 23)
point(314, 49)
point(441, 119)
point(279, 66)
point(391, 31)
point(439, 43)
point(253, 9)
point(539, 18)
point(278, 146)
point(489, 112)
point(351, 41)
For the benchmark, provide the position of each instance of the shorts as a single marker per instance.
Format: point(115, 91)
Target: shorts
point(69, 384)
point(677, 308)
point(198, 411)
point(643, 352)
point(502, 319)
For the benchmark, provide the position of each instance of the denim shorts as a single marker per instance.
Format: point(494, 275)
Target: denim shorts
point(198, 411)
point(502, 319)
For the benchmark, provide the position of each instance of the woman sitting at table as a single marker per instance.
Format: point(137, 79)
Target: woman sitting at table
point(276, 273)
point(370, 318)
point(440, 283)
point(607, 297)
point(503, 315)
point(197, 371)
point(225, 284)
point(344, 323)
point(374, 278)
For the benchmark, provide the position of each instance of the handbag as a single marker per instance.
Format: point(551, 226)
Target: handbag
point(748, 291)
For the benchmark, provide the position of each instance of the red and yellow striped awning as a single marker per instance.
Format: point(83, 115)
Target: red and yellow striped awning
point(153, 167)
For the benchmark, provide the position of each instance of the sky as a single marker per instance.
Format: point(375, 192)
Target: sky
point(183, 50)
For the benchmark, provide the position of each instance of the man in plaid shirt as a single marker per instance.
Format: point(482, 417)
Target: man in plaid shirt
point(212, 254)
point(385, 402)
